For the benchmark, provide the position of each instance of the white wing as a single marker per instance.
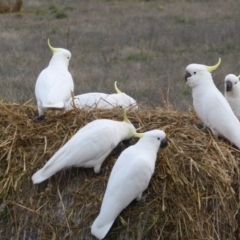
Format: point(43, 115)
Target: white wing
point(97, 123)
point(122, 100)
point(53, 86)
point(217, 111)
point(129, 178)
point(218, 115)
point(88, 100)
point(234, 103)
point(84, 149)
point(103, 101)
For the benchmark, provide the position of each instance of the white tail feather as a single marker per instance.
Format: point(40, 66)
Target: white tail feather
point(100, 232)
point(55, 164)
point(55, 105)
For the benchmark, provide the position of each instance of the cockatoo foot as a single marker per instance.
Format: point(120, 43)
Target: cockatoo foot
point(39, 118)
point(101, 172)
point(144, 198)
point(200, 126)
point(127, 142)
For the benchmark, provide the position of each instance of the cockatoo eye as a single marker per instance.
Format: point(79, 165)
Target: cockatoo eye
point(158, 138)
point(194, 72)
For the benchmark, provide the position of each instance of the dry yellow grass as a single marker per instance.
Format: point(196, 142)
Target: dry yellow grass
point(194, 192)
point(10, 6)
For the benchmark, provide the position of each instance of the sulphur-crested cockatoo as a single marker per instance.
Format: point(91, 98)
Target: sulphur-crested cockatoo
point(210, 104)
point(232, 92)
point(55, 84)
point(129, 177)
point(93, 100)
point(88, 147)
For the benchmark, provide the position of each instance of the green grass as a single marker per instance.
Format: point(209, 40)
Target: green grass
point(146, 44)
point(139, 57)
point(53, 8)
point(182, 20)
point(224, 48)
point(41, 11)
point(59, 13)
point(186, 92)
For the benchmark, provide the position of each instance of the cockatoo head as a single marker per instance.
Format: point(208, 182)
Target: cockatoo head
point(198, 74)
point(123, 100)
point(232, 83)
point(156, 137)
point(60, 54)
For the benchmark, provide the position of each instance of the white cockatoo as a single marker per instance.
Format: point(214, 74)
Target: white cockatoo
point(210, 104)
point(232, 92)
point(93, 100)
point(129, 177)
point(88, 148)
point(54, 85)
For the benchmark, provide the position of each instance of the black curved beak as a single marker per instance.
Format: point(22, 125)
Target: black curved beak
point(126, 142)
point(187, 75)
point(229, 86)
point(164, 143)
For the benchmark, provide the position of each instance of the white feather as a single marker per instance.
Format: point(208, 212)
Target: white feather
point(54, 84)
point(210, 105)
point(93, 100)
point(129, 177)
point(87, 148)
point(232, 92)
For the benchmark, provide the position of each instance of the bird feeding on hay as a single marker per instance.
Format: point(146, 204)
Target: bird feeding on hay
point(93, 100)
point(54, 84)
point(88, 148)
point(232, 92)
point(129, 177)
point(210, 104)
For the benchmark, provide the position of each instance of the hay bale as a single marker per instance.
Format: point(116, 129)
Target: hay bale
point(11, 6)
point(194, 192)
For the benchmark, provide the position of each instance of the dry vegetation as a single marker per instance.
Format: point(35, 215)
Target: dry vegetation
point(145, 46)
point(194, 192)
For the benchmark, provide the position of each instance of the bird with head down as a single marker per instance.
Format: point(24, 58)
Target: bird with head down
point(129, 177)
point(210, 104)
point(88, 148)
point(89, 101)
point(232, 92)
point(54, 84)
